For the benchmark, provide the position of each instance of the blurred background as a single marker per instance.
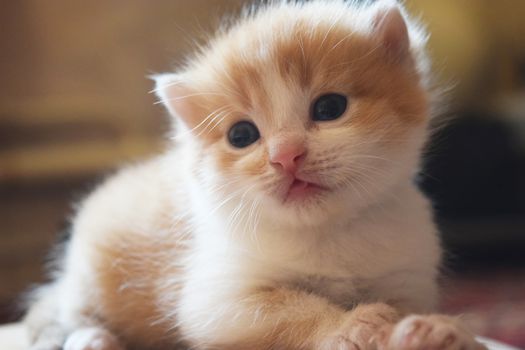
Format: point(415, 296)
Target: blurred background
point(74, 105)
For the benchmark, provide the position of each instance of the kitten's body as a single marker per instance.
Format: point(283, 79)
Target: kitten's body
point(204, 244)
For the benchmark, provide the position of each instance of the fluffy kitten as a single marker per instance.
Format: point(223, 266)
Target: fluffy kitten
point(284, 216)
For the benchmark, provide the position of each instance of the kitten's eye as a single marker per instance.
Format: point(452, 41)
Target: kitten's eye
point(329, 107)
point(243, 134)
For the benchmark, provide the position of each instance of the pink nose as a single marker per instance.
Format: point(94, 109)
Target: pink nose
point(287, 156)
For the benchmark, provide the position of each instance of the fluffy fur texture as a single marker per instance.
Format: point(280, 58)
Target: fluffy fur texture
point(203, 246)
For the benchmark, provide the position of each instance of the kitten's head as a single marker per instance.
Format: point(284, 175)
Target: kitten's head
point(302, 112)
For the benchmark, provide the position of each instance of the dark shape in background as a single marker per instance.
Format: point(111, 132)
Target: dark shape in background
point(475, 175)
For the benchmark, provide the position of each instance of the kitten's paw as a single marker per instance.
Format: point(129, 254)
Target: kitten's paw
point(431, 332)
point(92, 338)
point(43, 345)
point(360, 328)
point(48, 338)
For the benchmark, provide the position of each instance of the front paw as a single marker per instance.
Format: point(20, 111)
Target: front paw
point(360, 328)
point(92, 338)
point(431, 332)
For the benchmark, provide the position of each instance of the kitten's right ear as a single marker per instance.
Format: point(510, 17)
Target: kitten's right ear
point(390, 28)
point(173, 93)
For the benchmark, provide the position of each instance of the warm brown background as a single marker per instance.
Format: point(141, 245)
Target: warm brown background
point(74, 99)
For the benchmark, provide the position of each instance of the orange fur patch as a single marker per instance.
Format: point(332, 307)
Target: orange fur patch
point(133, 270)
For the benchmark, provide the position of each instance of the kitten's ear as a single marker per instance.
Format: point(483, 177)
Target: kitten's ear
point(173, 93)
point(390, 28)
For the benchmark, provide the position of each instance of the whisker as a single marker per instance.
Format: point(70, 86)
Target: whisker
point(211, 115)
point(233, 222)
point(186, 96)
point(216, 124)
point(364, 56)
point(235, 193)
point(334, 22)
point(157, 89)
point(340, 41)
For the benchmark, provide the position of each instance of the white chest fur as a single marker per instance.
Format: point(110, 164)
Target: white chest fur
point(366, 259)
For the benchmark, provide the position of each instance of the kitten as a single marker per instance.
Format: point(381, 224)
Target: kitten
point(284, 215)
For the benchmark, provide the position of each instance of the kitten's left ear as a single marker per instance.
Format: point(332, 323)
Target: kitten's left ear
point(167, 88)
point(390, 28)
point(173, 93)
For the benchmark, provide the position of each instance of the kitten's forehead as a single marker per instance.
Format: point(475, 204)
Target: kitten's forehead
point(271, 66)
point(286, 49)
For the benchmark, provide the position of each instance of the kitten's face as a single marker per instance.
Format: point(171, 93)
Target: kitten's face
point(302, 117)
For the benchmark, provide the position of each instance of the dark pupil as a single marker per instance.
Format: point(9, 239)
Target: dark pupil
point(243, 134)
point(329, 107)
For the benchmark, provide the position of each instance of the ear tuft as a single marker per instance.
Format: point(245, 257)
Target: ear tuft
point(167, 89)
point(390, 28)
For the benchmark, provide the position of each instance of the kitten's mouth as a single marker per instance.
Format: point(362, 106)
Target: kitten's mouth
point(300, 190)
